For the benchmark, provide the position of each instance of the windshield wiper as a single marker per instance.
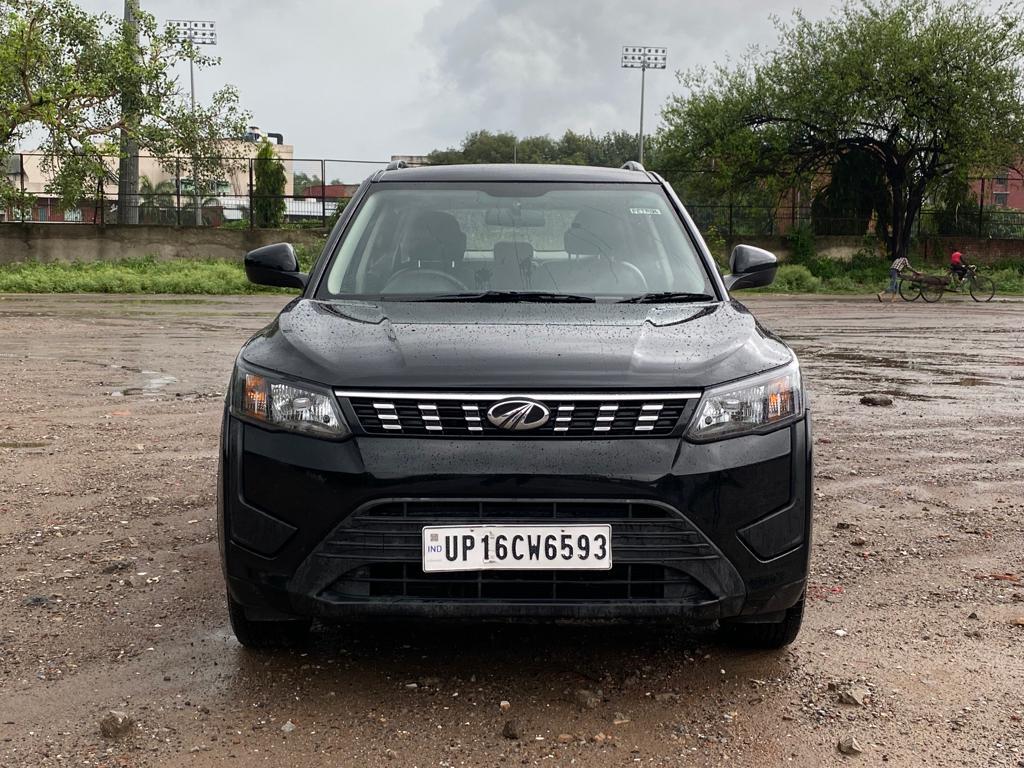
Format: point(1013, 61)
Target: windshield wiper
point(512, 296)
point(667, 297)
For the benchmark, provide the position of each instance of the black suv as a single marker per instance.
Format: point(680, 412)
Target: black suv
point(514, 391)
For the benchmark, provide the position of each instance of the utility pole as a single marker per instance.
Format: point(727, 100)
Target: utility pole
point(198, 33)
point(643, 58)
point(128, 164)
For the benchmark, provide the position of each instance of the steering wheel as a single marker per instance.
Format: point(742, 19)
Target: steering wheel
point(637, 273)
point(424, 281)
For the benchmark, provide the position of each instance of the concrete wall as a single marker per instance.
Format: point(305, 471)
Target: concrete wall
point(832, 246)
point(84, 242)
point(978, 250)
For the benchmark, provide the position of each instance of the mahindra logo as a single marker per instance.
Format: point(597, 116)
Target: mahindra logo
point(518, 415)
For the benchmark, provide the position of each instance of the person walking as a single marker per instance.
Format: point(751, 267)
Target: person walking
point(899, 265)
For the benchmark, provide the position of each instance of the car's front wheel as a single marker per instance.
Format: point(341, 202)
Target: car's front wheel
point(266, 634)
point(776, 634)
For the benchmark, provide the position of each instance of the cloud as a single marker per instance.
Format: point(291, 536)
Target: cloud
point(542, 66)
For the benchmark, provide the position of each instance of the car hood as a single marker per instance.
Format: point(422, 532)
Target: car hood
point(443, 345)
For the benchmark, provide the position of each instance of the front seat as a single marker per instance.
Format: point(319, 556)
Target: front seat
point(596, 243)
point(516, 270)
point(434, 240)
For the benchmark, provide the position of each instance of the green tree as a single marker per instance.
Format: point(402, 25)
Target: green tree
point(924, 88)
point(610, 150)
point(157, 201)
point(268, 204)
point(64, 74)
point(854, 194)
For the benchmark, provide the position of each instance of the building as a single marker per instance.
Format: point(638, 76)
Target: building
point(1003, 190)
point(410, 160)
point(328, 191)
point(170, 185)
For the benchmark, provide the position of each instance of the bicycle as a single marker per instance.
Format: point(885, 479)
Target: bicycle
point(931, 287)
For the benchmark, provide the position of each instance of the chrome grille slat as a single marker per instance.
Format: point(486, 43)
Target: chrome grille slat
point(572, 414)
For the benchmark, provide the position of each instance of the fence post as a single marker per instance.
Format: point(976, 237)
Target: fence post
point(981, 210)
point(730, 216)
point(19, 212)
point(252, 213)
point(177, 187)
point(323, 193)
point(103, 204)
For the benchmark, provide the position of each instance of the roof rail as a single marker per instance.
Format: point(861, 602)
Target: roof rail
point(394, 165)
point(633, 165)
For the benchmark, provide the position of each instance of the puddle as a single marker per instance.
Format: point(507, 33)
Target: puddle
point(157, 381)
point(973, 381)
point(153, 383)
point(899, 394)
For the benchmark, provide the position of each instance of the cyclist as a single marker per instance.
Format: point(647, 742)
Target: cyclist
point(899, 265)
point(957, 265)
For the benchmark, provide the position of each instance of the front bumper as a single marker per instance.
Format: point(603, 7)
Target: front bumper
point(330, 529)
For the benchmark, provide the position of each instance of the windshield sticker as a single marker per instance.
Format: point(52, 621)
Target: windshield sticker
point(645, 211)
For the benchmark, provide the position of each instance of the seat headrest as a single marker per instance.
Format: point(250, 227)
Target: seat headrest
point(595, 233)
point(434, 236)
point(513, 251)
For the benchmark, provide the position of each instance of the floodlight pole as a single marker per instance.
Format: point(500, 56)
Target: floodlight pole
point(643, 58)
point(643, 86)
point(197, 33)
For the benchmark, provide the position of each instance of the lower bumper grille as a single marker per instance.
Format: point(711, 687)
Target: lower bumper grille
point(632, 581)
point(658, 555)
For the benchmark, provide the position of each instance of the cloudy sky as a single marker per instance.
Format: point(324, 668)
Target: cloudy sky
point(370, 78)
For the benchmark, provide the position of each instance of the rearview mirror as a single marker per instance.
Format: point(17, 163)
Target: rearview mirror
point(750, 267)
point(274, 265)
point(508, 217)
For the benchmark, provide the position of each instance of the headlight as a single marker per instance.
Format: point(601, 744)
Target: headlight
point(758, 404)
point(285, 405)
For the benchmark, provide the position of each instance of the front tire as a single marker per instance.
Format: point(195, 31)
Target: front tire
point(910, 291)
point(931, 292)
point(982, 288)
point(770, 636)
point(260, 635)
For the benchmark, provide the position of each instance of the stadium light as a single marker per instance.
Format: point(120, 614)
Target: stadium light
point(197, 32)
point(643, 57)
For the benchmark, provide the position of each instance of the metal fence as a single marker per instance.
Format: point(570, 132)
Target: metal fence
point(316, 189)
point(993, 208)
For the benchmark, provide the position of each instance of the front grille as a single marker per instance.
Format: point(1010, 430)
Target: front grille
point(465, 415)
point(654, 549)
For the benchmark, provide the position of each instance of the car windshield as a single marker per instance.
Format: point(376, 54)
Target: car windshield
point(520, 241)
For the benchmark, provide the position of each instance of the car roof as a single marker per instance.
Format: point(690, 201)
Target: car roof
point(517, 172)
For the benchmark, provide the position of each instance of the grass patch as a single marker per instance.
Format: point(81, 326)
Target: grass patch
point(145, 275)
point(134, 276)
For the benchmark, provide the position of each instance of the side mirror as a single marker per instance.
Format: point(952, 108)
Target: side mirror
point(750, 267)
point(274, 265)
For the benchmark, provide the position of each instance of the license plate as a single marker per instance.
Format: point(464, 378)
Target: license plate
point(517, 548)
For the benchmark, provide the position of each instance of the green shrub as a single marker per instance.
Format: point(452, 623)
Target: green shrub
point(128, 276)
point(801, 246)
point(795, 278)
point(716, 244)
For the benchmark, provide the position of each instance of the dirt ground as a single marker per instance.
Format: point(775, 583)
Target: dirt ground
point(111, 595)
